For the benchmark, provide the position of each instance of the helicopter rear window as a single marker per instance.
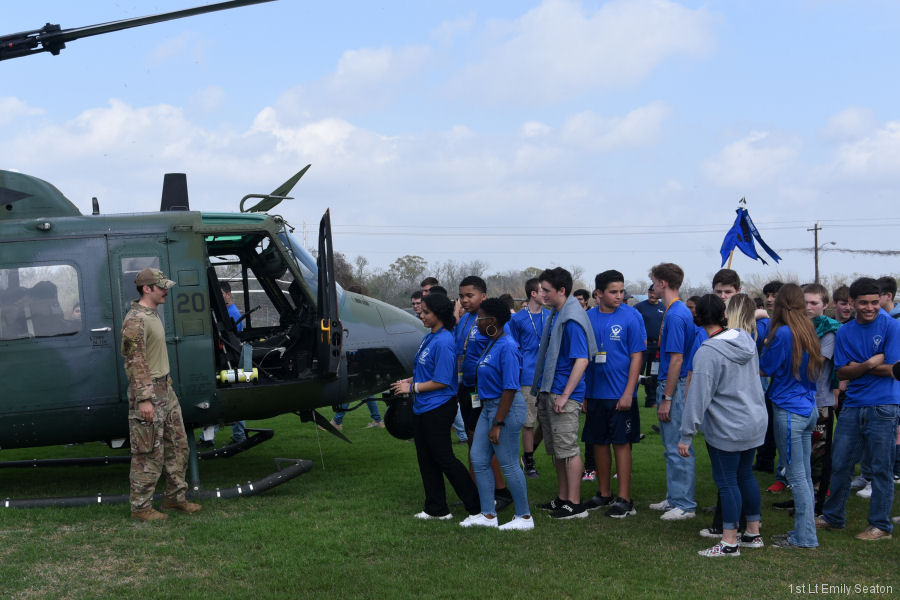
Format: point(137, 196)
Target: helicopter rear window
point(39, 301)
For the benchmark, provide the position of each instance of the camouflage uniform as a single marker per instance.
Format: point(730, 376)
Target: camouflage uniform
point(160, 445)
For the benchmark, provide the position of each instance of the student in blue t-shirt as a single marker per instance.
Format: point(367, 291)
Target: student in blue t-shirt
point(238, 429)
point(610, 381)
point(526, 327)
point(865, 349)
point(676, 345)
point(792, 357)
point(500, 422)
point(470, 343)
point(434, 384)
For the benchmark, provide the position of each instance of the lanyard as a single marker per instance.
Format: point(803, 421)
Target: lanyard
point(661, 325)
point(531, 318)
point(486, 350)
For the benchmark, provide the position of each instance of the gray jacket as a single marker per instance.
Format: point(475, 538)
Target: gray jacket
point(548, 352)
point(725, 399)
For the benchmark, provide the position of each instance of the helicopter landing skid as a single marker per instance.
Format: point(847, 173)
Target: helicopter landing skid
point(257, 437)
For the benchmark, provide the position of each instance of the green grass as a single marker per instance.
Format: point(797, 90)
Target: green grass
point(345, 530)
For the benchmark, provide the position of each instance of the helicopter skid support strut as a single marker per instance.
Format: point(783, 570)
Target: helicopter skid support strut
point(285, 470)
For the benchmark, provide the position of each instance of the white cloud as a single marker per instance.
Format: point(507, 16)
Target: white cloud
point(535, 129)
point(12, 108)
point(447, 31)
point(850, 123)
point(363, 79)
point(875, 156)
point(756, 159)
point(208, 99)
point(559, 49)
point(636, 128)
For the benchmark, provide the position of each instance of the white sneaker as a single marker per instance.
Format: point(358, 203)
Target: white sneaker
point(866, 492)
point(426, 517)
point(858, 482)
point(661, 506)
point(519, 524)
point(678, 514)
point(478, 520)
point(896, 519)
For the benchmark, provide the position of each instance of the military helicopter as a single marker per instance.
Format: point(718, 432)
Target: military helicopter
point(67, 280)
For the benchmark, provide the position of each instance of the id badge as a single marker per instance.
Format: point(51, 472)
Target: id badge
point(654, 367)
point(476, 401)
point(600, 358)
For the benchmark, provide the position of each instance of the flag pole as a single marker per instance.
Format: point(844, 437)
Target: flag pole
point(730, 256)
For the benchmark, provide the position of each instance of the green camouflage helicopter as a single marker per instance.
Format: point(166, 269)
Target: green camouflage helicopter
point(67, 280)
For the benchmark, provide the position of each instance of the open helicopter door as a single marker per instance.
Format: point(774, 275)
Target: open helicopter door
point(330, 331)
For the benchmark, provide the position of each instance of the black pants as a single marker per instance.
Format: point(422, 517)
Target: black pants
point(436, 459)
point(650, 381)
point(827, 420)
point(765, 454)
point(469, 414)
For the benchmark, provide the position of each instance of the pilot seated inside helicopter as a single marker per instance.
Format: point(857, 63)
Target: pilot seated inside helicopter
point(34, 312)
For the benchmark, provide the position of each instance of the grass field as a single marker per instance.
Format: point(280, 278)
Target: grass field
point(345, 530)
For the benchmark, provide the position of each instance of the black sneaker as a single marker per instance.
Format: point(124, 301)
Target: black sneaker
point(748, 540)
point(552, 505)
point(621, 508)
point(598, 501)
point(529, 468)
point(783, 505)
point(567, 510)
point(502, 499)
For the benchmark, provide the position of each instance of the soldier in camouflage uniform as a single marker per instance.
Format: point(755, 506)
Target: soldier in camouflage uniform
point(158, 440)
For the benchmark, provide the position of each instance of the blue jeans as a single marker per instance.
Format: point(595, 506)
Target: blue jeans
point(793, 436)
point(875, 429)
point(733, 474)
point(460, 427)
point(372, 405)
point(680, 476)
point(507, 452)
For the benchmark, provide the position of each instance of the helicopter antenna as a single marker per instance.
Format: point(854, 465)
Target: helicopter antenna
point(51, 38)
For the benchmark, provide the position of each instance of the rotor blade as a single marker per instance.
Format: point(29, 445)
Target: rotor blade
point(53, 39)
point(285, 188)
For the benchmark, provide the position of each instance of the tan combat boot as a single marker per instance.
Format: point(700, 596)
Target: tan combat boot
point(182, 506)
point(148, 514)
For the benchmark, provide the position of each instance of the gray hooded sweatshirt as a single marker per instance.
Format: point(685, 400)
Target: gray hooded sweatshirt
point(725, 399)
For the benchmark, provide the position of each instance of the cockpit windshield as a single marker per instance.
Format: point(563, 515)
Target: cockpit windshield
point(308, 266)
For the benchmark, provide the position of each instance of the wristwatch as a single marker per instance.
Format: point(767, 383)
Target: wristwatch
point(669, 398)
point(497, 423)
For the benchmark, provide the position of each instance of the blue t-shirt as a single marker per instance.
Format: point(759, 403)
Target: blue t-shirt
point(526, 329)
point(471, 350)
point(653, 317)
point(762, 330)
point(235, 315)
point(435, 361)
point(499, 368)
point(620, 334)
point(678, 333)
point(698, 339)
point(794, 395)
point(574, 345)
point(858, 343)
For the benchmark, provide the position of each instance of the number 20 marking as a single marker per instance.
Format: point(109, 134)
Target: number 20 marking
point(190, 303)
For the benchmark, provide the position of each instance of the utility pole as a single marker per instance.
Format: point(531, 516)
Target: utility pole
point(815, 229)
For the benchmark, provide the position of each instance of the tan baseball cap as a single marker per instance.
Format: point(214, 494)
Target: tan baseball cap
point(153, 277)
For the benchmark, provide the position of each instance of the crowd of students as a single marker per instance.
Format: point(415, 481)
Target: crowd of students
point(753, 380)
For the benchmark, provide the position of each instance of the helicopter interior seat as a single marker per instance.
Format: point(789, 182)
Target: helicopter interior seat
point(223, 325)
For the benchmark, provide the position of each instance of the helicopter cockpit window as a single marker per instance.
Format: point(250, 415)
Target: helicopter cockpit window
point(131, 266)
point(258, 275)
point(39, 301)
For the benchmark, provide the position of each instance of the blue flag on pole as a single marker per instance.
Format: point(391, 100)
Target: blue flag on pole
point(741, 236)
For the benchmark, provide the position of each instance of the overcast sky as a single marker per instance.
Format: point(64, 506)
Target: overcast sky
point(611, 134)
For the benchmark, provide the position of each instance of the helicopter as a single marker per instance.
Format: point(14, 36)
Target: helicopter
point(67, 280)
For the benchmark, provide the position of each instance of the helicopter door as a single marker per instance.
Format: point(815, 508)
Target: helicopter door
point(57, 348)
point(330, 331)
point(128, 256)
